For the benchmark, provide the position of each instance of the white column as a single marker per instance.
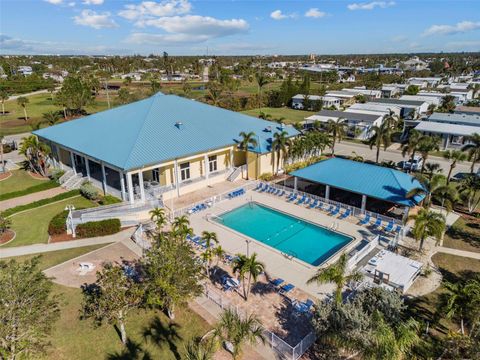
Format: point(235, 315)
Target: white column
point(364, 203)
point(130, 188)
point(122, 185)
point(72, 159)
point(104, 179)
point(175, 170)
point(87, 166)
point(142, 189)
point(327, 192)
point(447, 142)
point(231, 158)
point(295, 179)
point(205, 165)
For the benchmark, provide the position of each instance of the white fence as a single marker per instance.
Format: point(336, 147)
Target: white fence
point(285, 350)
point(352, 261)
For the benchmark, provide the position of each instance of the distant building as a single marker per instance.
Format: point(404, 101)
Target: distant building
point(409, 108)
point(25, 70)
point(424, 82)
point(327, 101)
point(414, 64)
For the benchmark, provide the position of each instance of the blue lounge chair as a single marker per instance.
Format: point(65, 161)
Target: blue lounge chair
point(313, 204)
point(320, 205)
point(365, 220)
point(335, 211)
point(277, 282)
point(264, 188)
point(285, 289)
point(303, 307)
point(259, 186)
point(389, 226)
point(302, 200)
point(398, 229)
point(292, 198)
point(378, 223)
point(308, 201)
point(281, 193)
point(345, 214)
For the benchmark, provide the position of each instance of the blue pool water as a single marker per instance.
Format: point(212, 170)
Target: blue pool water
point(308, 242)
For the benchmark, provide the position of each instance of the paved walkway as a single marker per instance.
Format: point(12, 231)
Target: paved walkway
point(469, 254)
point(27, 199)
point(42, 248)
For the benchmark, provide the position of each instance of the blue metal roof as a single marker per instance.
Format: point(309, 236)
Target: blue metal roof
point(149, 132)
point(372, 180)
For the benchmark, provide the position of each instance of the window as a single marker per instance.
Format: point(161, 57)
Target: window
point(155, 175)
point(212, 163)
point(185, 171)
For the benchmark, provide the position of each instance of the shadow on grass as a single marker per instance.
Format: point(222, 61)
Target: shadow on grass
point(131, 351)
point(470, 237)
point(160, 334)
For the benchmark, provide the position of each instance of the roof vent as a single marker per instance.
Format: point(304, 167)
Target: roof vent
point(179, 125)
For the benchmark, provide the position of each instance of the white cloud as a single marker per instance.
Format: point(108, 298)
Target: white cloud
point(150, 9)
point(370, 5)
point(95, 20)
point(315, 13)
point(55, 2)
point(92, 2)
point(278, 15)
point(461, 27)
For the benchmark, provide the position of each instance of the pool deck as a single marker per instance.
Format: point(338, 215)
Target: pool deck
point(277, 265)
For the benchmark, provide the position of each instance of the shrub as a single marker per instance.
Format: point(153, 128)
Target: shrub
point(109, 199)
point(56, 174)
point(5, 224)
point(89, 191)
point(98, 228)
point(266, 176)
point(58, 223)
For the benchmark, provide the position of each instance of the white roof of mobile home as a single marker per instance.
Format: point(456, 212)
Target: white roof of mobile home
point(446, 128)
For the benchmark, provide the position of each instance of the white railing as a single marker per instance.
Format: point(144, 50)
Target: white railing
point(353, 260)
point(355, 211)
point(68, 174)
point(285, 350)
point(211, 201)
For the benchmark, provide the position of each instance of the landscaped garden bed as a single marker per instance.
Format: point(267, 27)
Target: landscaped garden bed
point(7, 236)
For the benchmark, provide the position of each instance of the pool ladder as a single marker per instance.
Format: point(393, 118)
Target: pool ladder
point(334, 225)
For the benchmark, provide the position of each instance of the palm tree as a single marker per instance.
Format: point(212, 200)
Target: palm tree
point(247, 140)
point(235, 331)
point(430, 187)
point(473, 149)
point(199, 349)
point(470, 192)
point(23, 101)
point(158, 216)
point(336, 273)
point(51, 117)
point(248, 265)
point(280, 144)
point(432, 169)
point(427, 223)
point(336, 128)
point(261, 82)
point(181, 226)
point(264, 116)
point(382, 137)
point(454, 156)
point(3, 97)
point(426, 145)
point(209, 237)
point(462, 300)
point(411, 146)
point(36, 153)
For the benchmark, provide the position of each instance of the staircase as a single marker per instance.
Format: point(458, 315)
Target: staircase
point(74, 182)
point(236, 172)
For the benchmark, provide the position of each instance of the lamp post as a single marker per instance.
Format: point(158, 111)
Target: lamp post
point(2, 141)
point(248, 241)
point(70, 208)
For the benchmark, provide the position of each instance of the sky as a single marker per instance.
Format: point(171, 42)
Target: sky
point(238, 27)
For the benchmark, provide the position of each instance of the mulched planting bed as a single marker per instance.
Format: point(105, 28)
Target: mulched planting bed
point(36, 176)
point(5, 175)
point(61, 238)
point(7, 236)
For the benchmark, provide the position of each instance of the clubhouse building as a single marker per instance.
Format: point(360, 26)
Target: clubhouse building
point(164, 145)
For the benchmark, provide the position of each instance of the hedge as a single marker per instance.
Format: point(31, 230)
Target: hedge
point(98, 228)
point(58, 224)
point(30, 190)
point(42, 202)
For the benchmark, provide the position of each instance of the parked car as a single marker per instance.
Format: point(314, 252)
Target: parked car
point(414, 165)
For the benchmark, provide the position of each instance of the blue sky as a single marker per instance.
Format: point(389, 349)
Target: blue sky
point(183, 27)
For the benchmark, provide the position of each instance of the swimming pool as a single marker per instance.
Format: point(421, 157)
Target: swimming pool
point(308, 242)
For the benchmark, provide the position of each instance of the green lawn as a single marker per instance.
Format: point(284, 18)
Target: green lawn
point(52, 258)
point(31, 226)
point(13, 122)
point(19, 180)
point(290, 116)
point(464, 234)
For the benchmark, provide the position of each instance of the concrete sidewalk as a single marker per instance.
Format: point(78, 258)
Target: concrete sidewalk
point(469, 254)
point(27, 199)
point(42, 248)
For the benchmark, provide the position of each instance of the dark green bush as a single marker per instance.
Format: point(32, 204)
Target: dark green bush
point(58, 224)
point(98, 228)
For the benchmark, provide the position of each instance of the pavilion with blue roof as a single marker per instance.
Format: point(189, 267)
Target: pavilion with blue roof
point(367, 180)
point(164, 141)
